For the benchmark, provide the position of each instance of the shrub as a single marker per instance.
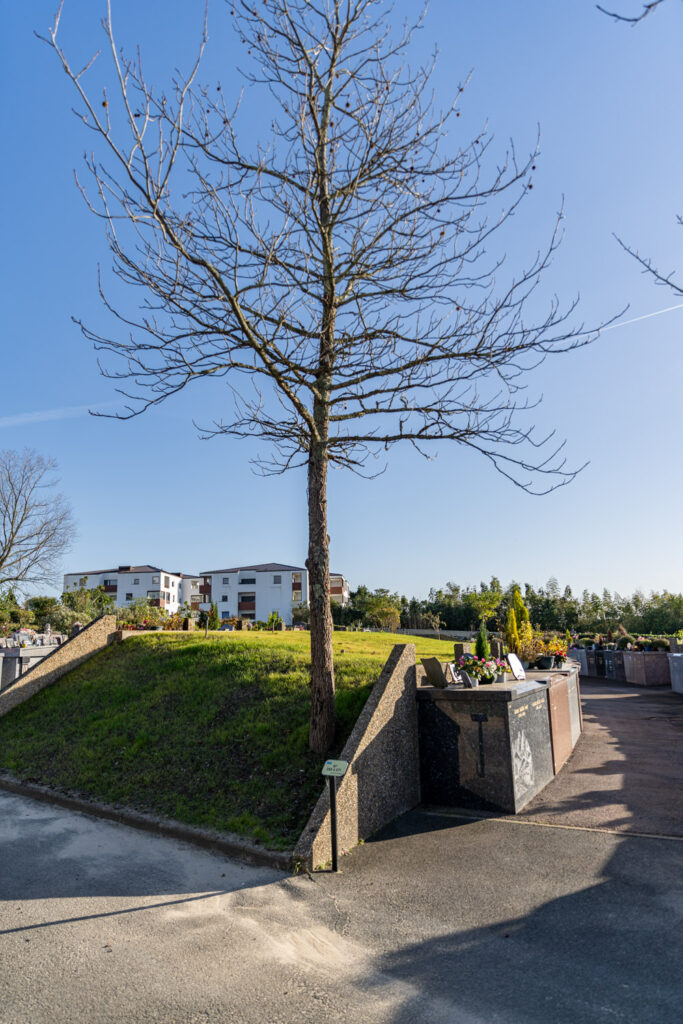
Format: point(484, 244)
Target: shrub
point(483, 647)
point(511, 634)
point(624, 640)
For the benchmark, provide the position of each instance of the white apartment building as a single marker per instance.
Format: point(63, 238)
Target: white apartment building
point(167, 590)
point(255, 591)
point(247, 592)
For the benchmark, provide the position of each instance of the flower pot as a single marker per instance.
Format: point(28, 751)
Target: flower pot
point(545, 662)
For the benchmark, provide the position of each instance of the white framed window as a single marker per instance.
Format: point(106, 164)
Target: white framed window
point(129, 597)
point(226, 581)
point(136, 581)
point(155, 579)
point(224, 597)
point(277, 579)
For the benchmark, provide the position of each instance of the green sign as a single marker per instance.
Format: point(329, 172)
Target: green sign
point(335, 769)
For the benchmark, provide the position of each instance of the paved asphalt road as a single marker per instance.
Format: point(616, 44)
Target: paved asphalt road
point(438, 919)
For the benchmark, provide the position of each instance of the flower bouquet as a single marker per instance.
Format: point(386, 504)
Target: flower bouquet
point(484, 669)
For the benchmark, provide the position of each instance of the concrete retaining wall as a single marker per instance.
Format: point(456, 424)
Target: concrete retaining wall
point(383, 778)
point(93, 638)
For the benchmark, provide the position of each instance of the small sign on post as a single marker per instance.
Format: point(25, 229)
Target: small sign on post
point(333, 770)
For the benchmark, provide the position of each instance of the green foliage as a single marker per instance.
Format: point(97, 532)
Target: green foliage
point(12, 615)
point(483, 647)
point(210, 732)
point(63, 619)
point(274, 621)
point(511, 634)
point(301, 614)
point(140, 613)
point(87, 602)
point(214, 617)
point(41, 609)
point(624, 641)
point(520, 609)
point(486, 600)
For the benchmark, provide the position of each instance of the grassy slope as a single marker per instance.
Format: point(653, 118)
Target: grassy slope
point(212, 733)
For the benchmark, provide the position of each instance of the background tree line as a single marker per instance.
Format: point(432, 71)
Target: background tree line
point(550, 607)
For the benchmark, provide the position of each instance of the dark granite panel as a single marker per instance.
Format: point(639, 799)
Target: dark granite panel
point(530, 747)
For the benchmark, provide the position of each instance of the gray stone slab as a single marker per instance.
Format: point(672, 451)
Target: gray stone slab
point(574, 709)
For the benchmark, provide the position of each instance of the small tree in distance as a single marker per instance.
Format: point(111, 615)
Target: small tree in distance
point(340, 266)
point(36, 524)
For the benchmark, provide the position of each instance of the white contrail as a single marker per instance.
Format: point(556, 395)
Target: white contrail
point(646, 316)
point(45, 415)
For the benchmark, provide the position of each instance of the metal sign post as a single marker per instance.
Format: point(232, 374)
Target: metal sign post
point(333, 770)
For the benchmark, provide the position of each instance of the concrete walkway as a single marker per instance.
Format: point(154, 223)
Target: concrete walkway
point(440, 919)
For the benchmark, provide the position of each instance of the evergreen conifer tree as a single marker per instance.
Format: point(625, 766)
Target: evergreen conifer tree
point(483, 647)
point(511, 634)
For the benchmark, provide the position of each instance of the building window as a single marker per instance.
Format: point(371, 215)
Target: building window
point(167, 582)
point(136, 582)
point(248, 580)
point(155, 579)
point(109, 583)
point(224, 597)
point(226, 580)
point(277, 579)
point(129, 597)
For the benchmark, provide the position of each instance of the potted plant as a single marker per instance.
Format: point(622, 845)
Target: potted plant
point(483, 670)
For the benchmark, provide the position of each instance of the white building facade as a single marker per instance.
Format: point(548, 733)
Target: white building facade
point(253, 592)
point(163, 589)
point(249, 592)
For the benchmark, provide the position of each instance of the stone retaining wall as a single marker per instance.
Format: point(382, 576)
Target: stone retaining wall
point(383, 778)
point(93, 638)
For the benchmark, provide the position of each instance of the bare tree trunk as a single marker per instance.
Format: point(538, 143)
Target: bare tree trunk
point(321, 733)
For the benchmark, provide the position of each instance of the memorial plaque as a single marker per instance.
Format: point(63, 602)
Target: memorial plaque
point(516, 666)
point(530, 747)
point(435, 672)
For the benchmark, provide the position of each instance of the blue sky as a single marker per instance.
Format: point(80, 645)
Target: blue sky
point(607, 99)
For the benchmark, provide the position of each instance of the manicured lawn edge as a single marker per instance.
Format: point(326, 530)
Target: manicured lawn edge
point(234, 846)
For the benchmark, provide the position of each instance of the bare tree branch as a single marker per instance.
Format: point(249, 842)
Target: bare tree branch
point(647, 9)
point(338, 274)
point(36, 525)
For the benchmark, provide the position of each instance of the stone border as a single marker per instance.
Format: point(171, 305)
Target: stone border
point(67, 656)
point(233, 846)
point(383, 779)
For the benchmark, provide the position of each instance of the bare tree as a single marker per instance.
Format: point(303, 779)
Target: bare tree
point(338, 274)
point(668, 279)
point(36, 525)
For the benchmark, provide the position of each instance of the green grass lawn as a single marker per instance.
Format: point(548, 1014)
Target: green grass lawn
point(210, 732)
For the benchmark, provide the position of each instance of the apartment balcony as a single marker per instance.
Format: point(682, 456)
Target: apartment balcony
point(110, 588)
point(246, 606)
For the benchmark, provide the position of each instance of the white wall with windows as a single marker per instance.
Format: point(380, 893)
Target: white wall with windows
point(125, 585)
point(254, 593)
